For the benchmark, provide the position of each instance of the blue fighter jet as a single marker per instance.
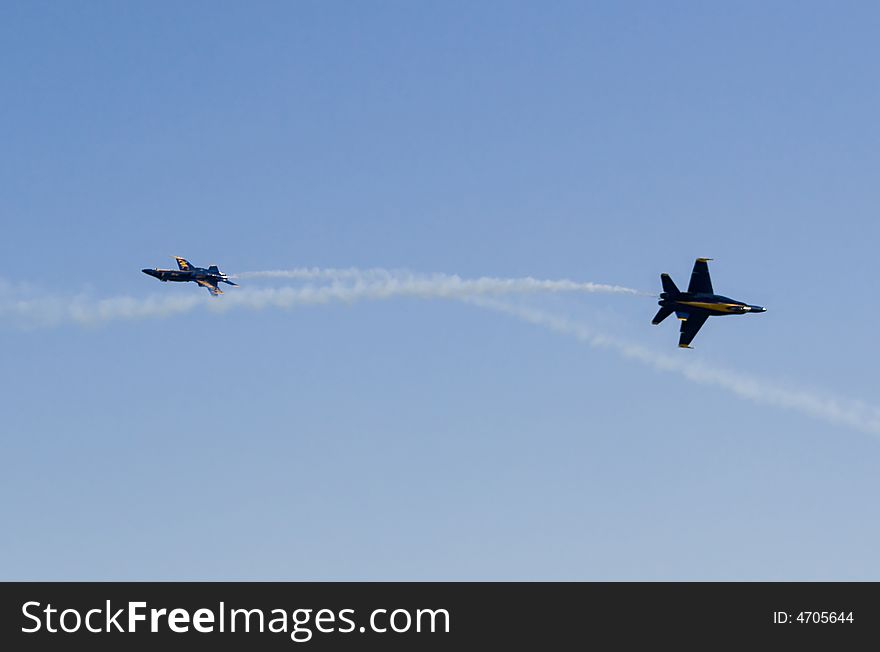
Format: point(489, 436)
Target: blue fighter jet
point(208, 278)
point(696, 305)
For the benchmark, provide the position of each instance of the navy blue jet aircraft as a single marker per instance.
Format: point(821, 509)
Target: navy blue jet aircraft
point(696, 305)
point(208, 278)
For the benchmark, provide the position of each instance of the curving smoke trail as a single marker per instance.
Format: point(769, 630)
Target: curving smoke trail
point(19, 306)
point(22, 308)
point(854, 414)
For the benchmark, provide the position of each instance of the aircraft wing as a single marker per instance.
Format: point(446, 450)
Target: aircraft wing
point(689, 329)
point(183, 264)
point(701, 282)
point(211, 287)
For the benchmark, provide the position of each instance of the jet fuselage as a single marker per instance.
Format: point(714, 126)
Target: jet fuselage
point(709, 304)
point(209, 278)
point(180, 275)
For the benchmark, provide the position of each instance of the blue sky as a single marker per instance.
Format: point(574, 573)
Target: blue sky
point(410, 439)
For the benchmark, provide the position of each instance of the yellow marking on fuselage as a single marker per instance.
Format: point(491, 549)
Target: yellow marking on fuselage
point(714, 307)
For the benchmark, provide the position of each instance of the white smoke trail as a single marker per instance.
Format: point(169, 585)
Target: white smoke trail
point(840, 411)
point(481, 285)
point(24, 309)
point(18, 305)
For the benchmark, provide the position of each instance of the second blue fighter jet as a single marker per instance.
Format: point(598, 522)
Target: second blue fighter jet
point(207, 277)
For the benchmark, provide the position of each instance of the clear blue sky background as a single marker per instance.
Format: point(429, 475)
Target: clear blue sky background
point(431, 440)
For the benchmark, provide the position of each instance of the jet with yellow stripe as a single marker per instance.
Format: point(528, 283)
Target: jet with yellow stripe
point(207, 277)
point(696, 305)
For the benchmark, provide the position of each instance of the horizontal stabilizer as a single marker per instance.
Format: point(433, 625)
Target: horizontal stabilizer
point(662, 314)
point(668, 286)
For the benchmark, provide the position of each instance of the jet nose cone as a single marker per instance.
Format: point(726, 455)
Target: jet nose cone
point(758, 308)
point(151, 272)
